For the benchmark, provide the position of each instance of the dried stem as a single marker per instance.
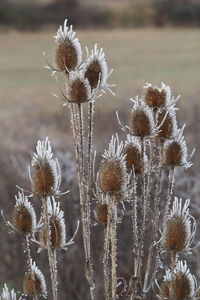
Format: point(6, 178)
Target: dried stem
point(169, 193)
point(106, 267)
point(113, 240)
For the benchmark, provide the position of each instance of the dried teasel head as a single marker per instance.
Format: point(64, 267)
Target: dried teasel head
point(179, 229)
point(9, 294)
point(57, 226)
point(24, 217)
point(34, 282)
point(158, 97)
point(112, 176)
point(165, 286)
point(175, 152)
point(142, 121)
point(132, 150)
point(101, 213)
point(167, 124)
point(183, 283)
point(46, 177)
point(68, 52)
point(77, 88)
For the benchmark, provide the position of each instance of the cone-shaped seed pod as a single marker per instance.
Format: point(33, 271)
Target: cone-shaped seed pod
point(57, 227)
point(24, 217)
point(167, 123)
point(34, 282)
point(68, 52)
point(96, 70)
point(178, 231)
point(183, 284)
point(157, 97)
point(112, 172)
point(9, 295)
point(46, 171)
point(165, 286)
point(78, 88)
point(175, 152)
point(132, 150)
point(101, 213)
point(142, 122)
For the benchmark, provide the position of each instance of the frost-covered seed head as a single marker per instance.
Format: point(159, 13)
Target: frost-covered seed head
point(183, 284)
point(165, 286)
point(68, 52)
point(78, 88)
point(132, 150)
point(157, 97)
point(9, 295)
point(46, 171)
point(177, 230)
point(57, 226)
point(101, 212)
point(96, 70)
point(112, 172)
point(142, 121)
point(175, 152)
point(168, 128)
point(24, 217)
point(34, 282)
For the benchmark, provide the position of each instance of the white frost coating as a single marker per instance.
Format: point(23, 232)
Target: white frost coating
point(9, 295)
point(133, 141)
point(67, 35)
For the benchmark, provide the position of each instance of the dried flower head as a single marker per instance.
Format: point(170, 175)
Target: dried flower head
point(132, 150)
point(24, 217)
point(9, 295)
point(77, 88)
point(175, 152)
point(34, 282)
point(142, 121)
point(167, 124)
point(57, 227)
point(179, 229)
point(95, 69)
point(112, 176)
point(46, 176)
point(101, 213)
point(165, 286)
point(157, 97)
point(68, 52)
point(183, 284)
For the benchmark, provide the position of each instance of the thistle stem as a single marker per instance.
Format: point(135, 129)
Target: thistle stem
point(106, 269)
point(113, 240)
point(169, 194)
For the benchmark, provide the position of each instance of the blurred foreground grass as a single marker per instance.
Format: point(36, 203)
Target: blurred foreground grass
point(27, 107)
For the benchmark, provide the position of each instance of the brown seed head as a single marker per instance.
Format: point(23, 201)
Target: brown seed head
point(167, 127)
point(32, 284)
point(165, 290)
point(180, 287)
point(173, 154)
point(22, 220)
point(133, 158)
point(66, 56)
point(43, 179)
point(55, 234)
point(101, 211)
point(155, 98)
point(140, 123)
point(93, 73)
point(175, 236)
point(110, 176)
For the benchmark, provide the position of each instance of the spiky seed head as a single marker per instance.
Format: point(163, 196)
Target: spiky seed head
point(78, 88)
point(57, 227)
point(175, 152)
point(34, 282)
point(24, 217)
point(112, 172)
point(101, 212)
point(167, 123)
point(132, 150)
point(68, 52)
point(183, 284)
point(157, 97)
point(142, 122)
point(177, 230)
point(9, 294)
point(46, 171)
point(96, 70)
point(165, 290)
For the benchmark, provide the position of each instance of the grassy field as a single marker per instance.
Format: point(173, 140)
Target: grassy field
point(27, 107)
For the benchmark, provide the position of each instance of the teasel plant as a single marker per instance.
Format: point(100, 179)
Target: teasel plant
point(9, 294)
point(84, 83)
point(24, 223)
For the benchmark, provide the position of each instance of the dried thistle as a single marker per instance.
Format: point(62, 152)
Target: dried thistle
point(101, 213)
point(46, 176)
point(24, 217)
point(132, 150)
point(165, 286)
point(157, 97)
point(68, 52)
point(34, 282)
point(179, 229)
point(167, 123)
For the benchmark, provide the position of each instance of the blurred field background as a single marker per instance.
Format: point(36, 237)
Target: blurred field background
point(144, 41)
